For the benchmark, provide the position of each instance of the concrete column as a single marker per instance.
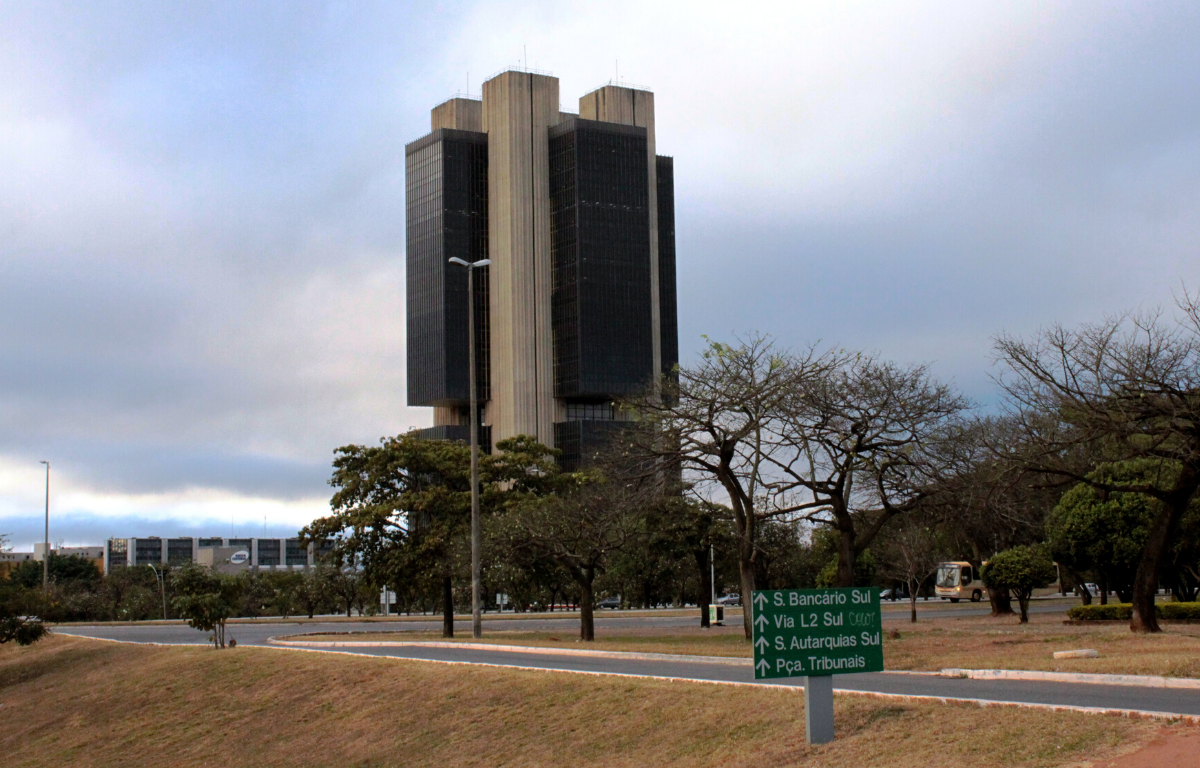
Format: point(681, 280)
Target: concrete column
point(254, 553)
point(518, 110)
point(195, 549)
point(131, 552)
point(166, 548)
point(629, 106)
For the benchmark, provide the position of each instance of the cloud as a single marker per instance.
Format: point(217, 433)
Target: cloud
point(202, 207)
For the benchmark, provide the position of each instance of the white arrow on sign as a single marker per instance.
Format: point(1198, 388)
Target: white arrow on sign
point(765, 666)
point(761, 640)
point(759, 599)
point(762, 619)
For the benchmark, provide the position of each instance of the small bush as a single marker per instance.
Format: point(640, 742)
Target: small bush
point(1123, 611)
point(1179, 611)
point(1110, 612)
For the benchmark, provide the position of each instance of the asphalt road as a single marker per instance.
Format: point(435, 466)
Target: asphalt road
point(1167, 700)
point(257, 633)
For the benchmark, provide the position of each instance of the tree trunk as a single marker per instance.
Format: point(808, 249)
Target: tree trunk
point(1023, 601)
point(912, 599)
point(447, 607)
point(1103, 588)
point(587, 622)
point(746, 566)
point(1162, 533)
point(705, 585)
point(1001, 601)
point(846, 557)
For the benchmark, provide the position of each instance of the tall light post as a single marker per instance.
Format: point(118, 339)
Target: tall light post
point(476, 605)
point(46, 553)
point(162, 582)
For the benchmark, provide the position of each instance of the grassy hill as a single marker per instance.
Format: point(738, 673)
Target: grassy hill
point(68, 701)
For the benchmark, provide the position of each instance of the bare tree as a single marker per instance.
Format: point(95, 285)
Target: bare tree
point(1126, 388)
point(911, 553)
point(990, 504)
point(859, 444)
point(717, 416)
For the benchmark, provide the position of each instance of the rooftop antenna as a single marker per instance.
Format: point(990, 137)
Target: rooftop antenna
point(525, 55)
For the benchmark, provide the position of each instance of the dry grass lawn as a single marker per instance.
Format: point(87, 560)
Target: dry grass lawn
point(930, 644)
point(68, 701)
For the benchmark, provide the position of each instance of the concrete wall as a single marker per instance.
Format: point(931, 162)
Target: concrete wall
point(459, 114)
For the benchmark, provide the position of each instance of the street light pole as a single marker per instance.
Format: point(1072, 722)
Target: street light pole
point(46, 553)
point(162, 582)
point(476, 544)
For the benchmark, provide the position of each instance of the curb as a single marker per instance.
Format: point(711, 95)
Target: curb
point(733, 660)
point(1144, 681)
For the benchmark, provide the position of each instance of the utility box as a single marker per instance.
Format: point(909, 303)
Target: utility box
point(716, 615)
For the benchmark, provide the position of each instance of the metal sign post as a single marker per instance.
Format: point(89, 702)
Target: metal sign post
point(815, 634)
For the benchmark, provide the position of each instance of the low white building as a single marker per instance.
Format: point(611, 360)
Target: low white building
point(260, 553)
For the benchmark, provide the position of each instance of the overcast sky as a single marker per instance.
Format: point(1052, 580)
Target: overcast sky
point(202, 209)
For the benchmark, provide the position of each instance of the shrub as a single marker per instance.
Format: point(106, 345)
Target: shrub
point(1020, 570)
point(1179, 611)
point(1123, 612)
point(1110, 612)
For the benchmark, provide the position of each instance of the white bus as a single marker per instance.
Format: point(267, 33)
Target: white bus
point(958, 580)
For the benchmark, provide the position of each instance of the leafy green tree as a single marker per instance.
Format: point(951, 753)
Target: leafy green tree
point(14, 627)
point(285, 588)
point(257, 594)
point(1020, 570)
point(130, 594)
point(71, 569)
point(345, 584)
point(402, 509)
point(577, 520)
point(206, 599)
point(313, 588)
point(1104, 532)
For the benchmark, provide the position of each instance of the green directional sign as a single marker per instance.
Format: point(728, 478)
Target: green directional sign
point(817, 632)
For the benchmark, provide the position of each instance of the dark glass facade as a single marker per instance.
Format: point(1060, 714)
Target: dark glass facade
point(446, 216)
point(147, 551)
point(580, 441)
point(667, 301)
point(179, 551)
point(268, 552)
point(600, 241)
point(459, 432)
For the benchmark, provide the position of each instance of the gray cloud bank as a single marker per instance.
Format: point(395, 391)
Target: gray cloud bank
point(202, 222)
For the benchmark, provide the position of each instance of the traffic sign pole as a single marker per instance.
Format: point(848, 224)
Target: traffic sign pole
point(818, 709)
point(815, 634)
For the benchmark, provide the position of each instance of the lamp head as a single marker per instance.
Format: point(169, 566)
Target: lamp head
point(456, 260)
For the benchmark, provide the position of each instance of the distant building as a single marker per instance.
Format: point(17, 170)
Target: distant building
point(213, 551)
point(10, 560)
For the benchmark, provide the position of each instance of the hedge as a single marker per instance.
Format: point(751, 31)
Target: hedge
point(1123, 611)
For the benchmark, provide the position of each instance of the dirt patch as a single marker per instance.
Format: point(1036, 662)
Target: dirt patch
point(1169, 748)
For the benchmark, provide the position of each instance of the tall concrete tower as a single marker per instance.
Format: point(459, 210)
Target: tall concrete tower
point(576, 213)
